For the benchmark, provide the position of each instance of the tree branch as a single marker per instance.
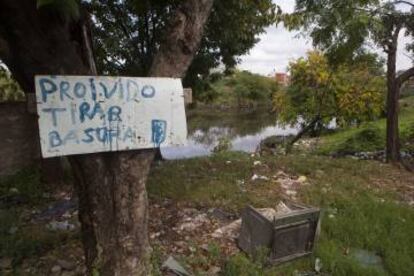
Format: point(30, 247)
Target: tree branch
point(403, 2)
point(182, 39)
point(405, 76)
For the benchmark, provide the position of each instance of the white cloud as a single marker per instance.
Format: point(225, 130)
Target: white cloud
point(277, 47)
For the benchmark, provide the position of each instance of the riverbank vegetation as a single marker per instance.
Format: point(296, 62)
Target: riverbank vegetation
point(238, 89)
point(370, 136)
point(320, 93)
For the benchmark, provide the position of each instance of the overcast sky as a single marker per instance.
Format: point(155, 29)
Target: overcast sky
point(277, 47)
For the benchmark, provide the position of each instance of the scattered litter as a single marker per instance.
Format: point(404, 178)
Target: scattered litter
point(259, 177)
point(171, 265)
point(190, 224)
point(240, 184)
point(232, 229)
point(302, 179)
point(257, 163)
point(228, 162)
point(318, 265)
point(291, 193)
point(289, 184)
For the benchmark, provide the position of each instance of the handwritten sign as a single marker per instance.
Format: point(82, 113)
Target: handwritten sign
point(85, 114)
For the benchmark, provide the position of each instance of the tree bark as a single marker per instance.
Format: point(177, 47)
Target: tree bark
point(111, 186)
point(392, 140)
point(405, 76)
point(303, 131)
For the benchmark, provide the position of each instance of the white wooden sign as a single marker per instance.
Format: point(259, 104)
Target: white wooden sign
point(86, 114)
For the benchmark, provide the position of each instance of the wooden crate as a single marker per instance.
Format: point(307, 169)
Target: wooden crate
point(287, 237)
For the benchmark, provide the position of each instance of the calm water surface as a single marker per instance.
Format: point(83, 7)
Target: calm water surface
point(244, 130)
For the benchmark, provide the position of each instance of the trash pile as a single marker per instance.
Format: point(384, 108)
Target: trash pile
point(290, 185)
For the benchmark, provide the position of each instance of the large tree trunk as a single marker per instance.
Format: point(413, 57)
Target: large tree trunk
point(392, 141)
point(111, 186)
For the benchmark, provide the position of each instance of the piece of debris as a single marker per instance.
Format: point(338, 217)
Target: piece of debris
point(232, 229)
point(259, 177)
point(57, 210)
point(190, 224)
point(240, 184)
point(171, 265)
point(5, 263)
point(302, 179)
point(318, 265)
point(60, 226)
point(56, 269)
point(367, 259)
point(287, 235)
point(282, 208)
point(257, 163)
point(290, 184)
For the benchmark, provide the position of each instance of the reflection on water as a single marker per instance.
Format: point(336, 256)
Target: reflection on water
point(245, 130)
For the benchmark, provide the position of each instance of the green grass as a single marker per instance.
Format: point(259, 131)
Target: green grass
point(359, 199)
point(365, 216)
point(352, 140)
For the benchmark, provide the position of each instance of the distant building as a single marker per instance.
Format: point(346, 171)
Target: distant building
point(282, 79)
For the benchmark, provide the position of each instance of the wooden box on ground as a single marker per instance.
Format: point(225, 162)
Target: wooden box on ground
point(290, 235)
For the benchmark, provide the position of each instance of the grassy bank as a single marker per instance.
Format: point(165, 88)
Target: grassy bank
point(362, 209)
point(370, 136)
point(240, 89)
point(365, 207)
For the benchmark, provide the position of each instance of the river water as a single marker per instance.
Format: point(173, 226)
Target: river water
point(243, 130)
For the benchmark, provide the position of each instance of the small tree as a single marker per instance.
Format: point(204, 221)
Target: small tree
point(341, 28)
point(318, 94)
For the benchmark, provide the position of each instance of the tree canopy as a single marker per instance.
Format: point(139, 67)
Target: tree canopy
point(127, 33)
point(342, 28)
point(319, 93)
